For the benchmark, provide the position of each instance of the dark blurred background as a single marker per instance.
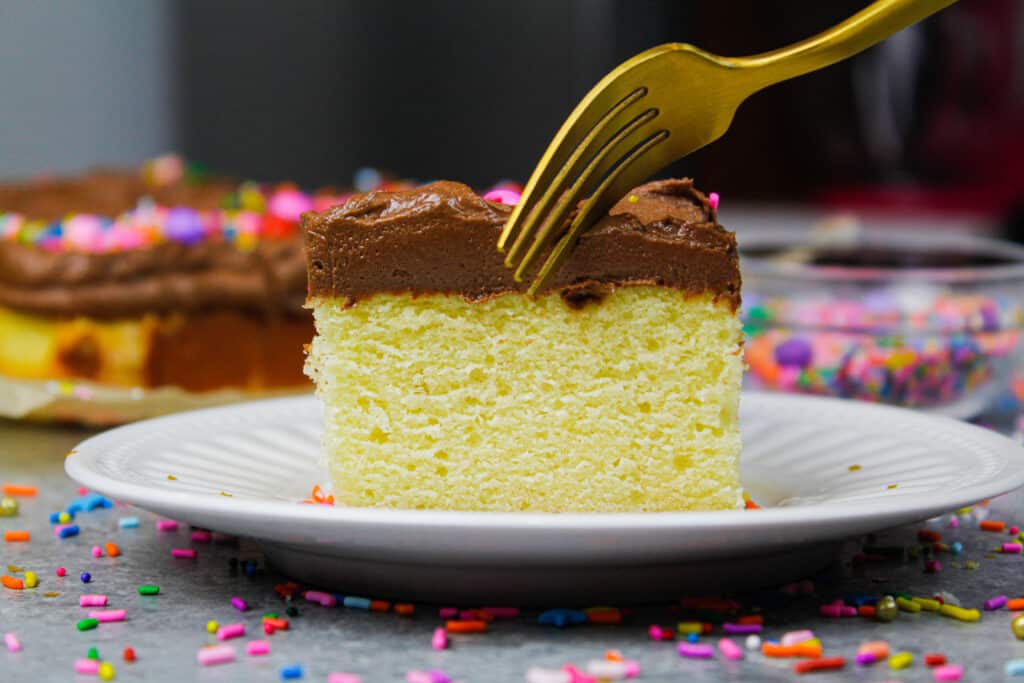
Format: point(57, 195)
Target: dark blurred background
point(311, 90)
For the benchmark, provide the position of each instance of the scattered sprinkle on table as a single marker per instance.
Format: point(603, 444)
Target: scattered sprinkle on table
point(149, 589)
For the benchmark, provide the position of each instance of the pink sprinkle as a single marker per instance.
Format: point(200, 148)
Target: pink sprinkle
point(418, 677)
point(440, 639)
point(217, 654)
point(325, 599)
point(257, 647)
point(794, 637)
point(468, 615)
point(60, 527)
point(11, 640)
point(948, 672)
point(501, 612)
point(230, 631)
point(1014, 531)
point(837, 610)
point(932, 567)
point(166, 525)
point(97, 551)
point(448, 612)
point(92, 600)
point(954, 522)
point(108, 615)
point(865, 658)
point(239, 604)
point(1012, 548)
point(339, 677)
point(695, 650)
point(61, 571)
point(201, 536)
point(729, 649)
point(510, 197)
point(89, 667)
point(995, 603)
point(655, 632)
point(82, 490)
point(188, 553)
point(631, 668)
point(713, 200)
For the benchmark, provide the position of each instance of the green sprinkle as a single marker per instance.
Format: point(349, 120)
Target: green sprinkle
point(93, 653)
point(148, 589)
point(905, 596)
point(88, 624)
point(271, 615)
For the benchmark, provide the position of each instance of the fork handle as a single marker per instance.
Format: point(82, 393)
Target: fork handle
point(870, 26)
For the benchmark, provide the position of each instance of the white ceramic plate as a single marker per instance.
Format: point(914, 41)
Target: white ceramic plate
point(796, 462)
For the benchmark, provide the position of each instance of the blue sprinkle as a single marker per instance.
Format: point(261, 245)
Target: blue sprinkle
point(289, 672)
point(54, 518)
point(69, 531)
point(86, 577)
point(561, 617)
point(1015, 667)
point(692, 637)
point(340, 598)
point(74, 508)
point(956, 547)
point(249, 568)
point(128, 522)
point(356, 603)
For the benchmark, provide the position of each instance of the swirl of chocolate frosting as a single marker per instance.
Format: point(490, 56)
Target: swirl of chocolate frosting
point(440, 239)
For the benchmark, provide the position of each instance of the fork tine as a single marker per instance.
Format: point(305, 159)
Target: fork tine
point(562, 175)
point(618, 180)
point(595, 168)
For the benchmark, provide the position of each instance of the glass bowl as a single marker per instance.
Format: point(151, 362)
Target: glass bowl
point(925, 321)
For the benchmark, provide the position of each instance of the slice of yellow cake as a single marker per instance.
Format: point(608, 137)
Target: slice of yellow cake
point(444, 386)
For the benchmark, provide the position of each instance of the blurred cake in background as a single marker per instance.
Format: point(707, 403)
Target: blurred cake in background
point(118, 286)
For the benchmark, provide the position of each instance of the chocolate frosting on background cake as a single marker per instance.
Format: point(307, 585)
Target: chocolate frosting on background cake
point(441, 239)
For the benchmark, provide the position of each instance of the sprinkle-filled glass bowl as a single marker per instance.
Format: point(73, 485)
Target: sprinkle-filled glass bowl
point(926, 321)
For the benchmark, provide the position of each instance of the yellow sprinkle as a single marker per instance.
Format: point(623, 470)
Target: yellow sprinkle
point(959, 613)
point(64, 518)
point(892, 486)
point(854, 468)
point(31, 580)
point(226, 494)
point(50, 594)
point(964, 511)
point(14, 569)
point(691, 627)
point(171, 477)
point(633, 199)
point(901, 660)
point(212, 626)
point(927, 604)
point(971, 564)
point(908, 605)
point(106, 671)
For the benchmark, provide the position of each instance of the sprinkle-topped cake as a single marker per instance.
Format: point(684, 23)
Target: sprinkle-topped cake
point(153, 279)
point(445, 386)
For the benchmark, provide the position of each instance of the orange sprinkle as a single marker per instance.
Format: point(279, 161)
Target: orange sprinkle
point(112, 549)
point(613, 655)
point(465, 626)
point(819, 664)
point(404, 608)
point(380, 605)
point(1015, 604)
point(866, 611)
point(992, 525)
point(276, 623)
point(16, 536)
point(809, 649)
point(751, 619)
point(20, 490)
point(11, 582)
point(748, 502)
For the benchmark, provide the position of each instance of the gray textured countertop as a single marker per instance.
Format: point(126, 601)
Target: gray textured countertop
point(166, 631)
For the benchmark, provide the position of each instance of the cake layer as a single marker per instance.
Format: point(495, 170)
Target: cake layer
point(440, 239)
point(196, 352)
point(514, 403)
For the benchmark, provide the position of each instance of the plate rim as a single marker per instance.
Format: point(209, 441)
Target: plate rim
point(906, 507)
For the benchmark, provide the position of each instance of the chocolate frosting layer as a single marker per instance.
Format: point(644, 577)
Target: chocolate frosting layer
point(441, 239)
point(162, 278)
point(166, 277)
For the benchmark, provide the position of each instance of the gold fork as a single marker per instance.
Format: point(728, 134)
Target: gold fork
point(638, 119)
